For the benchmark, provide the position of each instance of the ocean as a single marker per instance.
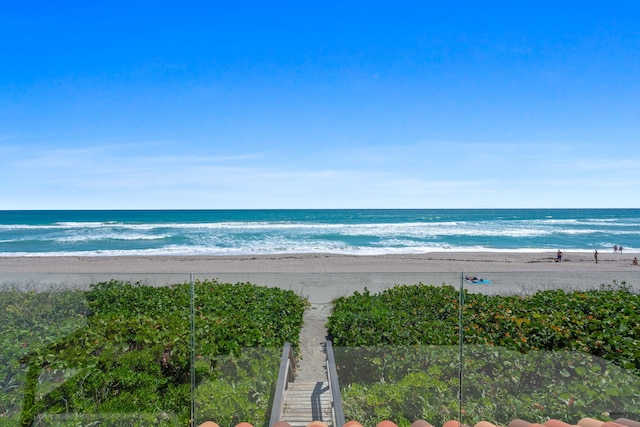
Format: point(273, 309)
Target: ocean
point(340, 231)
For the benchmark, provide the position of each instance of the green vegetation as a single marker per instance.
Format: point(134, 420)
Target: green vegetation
point(30, 321)
point(553, 354)
point(124, 354)
point(122, 351)
point(242, 389)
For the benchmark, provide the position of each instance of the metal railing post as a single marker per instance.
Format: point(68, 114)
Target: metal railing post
point(334, 385)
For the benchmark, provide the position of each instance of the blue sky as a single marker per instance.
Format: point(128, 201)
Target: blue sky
point(294, 104)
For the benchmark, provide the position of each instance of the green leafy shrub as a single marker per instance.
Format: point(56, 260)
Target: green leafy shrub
point(604, 323)
point(402, 315)
point(126, 349)
point(29, 321)
point(554, 354)
point(241, 388)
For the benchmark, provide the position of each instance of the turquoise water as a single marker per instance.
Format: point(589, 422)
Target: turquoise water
point(349, 231)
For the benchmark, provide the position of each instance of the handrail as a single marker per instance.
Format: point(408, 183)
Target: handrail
point(334, 386)
point(286, 374)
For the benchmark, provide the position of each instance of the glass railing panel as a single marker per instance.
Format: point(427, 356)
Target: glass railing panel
point(85, 280)
point(240, 327)
point(167, 349)
point(35, 318)
point(90, 349)
point(399, 383)
point(320, 291)
point(397, 349)
point(236, 387)
point(550, 345)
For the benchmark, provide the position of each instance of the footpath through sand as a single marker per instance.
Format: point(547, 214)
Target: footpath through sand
point(312, 364)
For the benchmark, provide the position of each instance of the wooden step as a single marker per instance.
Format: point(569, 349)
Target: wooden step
point(307, 385)
point(307, 401)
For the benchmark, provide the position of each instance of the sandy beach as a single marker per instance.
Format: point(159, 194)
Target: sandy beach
point(322, 277)
point(324, 263)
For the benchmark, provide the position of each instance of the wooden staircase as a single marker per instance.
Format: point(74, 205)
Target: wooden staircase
point(300, 402)
point(307, 401)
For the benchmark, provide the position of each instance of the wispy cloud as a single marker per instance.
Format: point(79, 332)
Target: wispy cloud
point(110, 175)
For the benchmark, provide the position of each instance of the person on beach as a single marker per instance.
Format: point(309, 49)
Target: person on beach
point(595, 255)
point(635, 261)
point(559, 256)
point(615, 249)
point(620, 249)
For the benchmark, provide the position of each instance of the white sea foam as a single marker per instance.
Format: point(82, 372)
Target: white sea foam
point(527, 227)
point(478, 233)
point(109, 236)
point(299, 249)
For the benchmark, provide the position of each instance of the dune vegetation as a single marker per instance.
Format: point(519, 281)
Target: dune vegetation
point(136, 354)
point(435, 353)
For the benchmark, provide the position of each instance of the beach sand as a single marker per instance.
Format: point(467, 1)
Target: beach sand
point(323, 263)
point(322, 277)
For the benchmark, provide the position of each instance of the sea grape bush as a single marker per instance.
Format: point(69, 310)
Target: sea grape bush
point(604, 323)
point(26, 318)
point(551, 354)
point(126, 348)
point(497, 384)
point(239, 387)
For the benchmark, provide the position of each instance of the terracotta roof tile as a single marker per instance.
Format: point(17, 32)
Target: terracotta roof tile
point(557, 423)
point(452, 423)
point(611, 424)
point(590, 422)
point(584, 422)
point(627, 422)
point(522, 423)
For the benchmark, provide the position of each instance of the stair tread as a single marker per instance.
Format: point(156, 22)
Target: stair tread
point(308, 404)
point(307, 388)
point(307, 393)
point(301, 416)
point(307, 384)
point(307, 401)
